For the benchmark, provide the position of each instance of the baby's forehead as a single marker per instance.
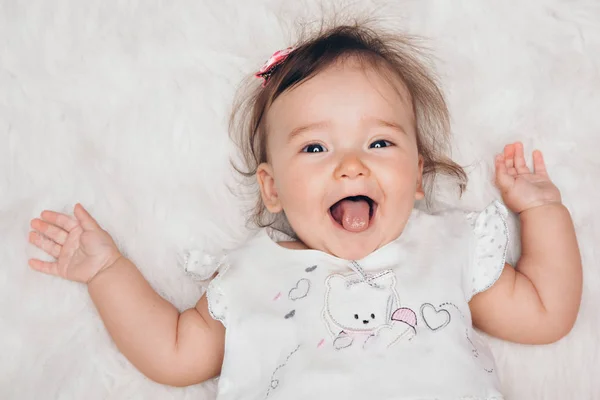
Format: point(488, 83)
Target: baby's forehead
point(382, 90)
point(379, 74)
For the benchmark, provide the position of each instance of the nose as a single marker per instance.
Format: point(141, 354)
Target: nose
point(365, 321)
point(351, 167)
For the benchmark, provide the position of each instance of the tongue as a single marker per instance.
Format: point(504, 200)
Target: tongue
point(352, 215)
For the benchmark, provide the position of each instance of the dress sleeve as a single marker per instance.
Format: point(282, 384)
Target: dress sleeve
point(202, 267)
point(489, 246)
point(217, 299)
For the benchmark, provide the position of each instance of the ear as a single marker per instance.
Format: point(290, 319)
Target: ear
point(336, 282)
point(268, 192)
point(420, 192)
point(386, 281)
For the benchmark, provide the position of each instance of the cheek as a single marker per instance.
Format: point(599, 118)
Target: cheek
point(298, 188)
point(399, 175)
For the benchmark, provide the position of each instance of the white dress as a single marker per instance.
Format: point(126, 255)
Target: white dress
point(303, 324)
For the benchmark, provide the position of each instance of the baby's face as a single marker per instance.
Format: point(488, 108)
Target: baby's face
point(343, 161)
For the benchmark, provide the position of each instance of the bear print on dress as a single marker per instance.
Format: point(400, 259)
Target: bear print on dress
point(365, 311)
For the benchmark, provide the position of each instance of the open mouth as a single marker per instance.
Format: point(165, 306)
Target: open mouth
point(354, 213)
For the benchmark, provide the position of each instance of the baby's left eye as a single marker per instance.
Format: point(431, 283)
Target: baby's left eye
point(379, 144)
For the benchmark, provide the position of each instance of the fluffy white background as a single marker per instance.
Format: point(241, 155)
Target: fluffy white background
point(122, 105)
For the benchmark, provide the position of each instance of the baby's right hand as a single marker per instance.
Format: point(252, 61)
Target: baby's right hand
point(81, 247)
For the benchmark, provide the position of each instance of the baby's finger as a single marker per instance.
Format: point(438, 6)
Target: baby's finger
point(50, 268)
point(45, 244)
point(503, 178)
point(539, 166)
point(51, 231)
point(61, 220)
point(85, 219)
point(509, 155)
point(520, 164)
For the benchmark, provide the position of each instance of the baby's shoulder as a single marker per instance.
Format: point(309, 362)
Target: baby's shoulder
point(441, 220)
point(293, 245)
point(261, 247)
point(451, 223)
point(453, 214)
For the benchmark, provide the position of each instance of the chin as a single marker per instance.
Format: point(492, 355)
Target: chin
point(354, 246)
point(354, 254)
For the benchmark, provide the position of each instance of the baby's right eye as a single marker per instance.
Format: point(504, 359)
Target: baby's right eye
point(314, 148)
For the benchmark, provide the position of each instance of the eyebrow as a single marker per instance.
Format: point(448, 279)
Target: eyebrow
point(386, 124)
point(304, 128)
point(374, 121)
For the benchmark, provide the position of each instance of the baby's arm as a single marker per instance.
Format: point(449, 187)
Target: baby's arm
point(168, 347)
point(537, 302)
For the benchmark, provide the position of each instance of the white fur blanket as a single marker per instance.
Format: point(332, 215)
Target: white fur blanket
point(122, 105)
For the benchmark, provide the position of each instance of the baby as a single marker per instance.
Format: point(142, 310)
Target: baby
point(374, 298)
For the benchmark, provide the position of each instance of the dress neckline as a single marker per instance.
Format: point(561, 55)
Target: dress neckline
point(380, 258)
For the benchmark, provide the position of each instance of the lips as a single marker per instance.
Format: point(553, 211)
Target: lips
point(354, 213)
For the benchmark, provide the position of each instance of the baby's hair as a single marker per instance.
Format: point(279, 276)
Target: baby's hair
point(393, 55)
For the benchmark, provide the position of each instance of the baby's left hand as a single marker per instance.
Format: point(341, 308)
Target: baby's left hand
point(521, 189)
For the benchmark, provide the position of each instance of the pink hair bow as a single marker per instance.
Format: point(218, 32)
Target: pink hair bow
point(276, 59)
